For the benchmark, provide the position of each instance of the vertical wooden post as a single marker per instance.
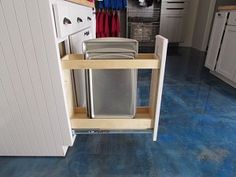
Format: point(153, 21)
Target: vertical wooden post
point(157, 83)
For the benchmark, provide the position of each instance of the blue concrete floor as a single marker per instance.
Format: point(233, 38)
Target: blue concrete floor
point(196, 135)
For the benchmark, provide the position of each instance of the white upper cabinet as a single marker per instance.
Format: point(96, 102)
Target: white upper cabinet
point(172, 19)
point(227, 59)
point(171, 27)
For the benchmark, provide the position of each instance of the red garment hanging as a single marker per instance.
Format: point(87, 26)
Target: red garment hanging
point(97, 24)
point(101, 24)
point(106, 25)
point(117, 24)
point(110, 23)
point(113, 25)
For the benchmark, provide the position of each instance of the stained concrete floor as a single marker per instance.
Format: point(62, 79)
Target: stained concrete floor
point(196, 135)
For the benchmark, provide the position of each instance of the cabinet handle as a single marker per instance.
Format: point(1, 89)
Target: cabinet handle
point(232, 31)
point(79, 20)
point(174, 16)
point(219, 15)
point(86, 33)
point(66, 21)
point(89, 18)
point(174, 8)
point(175, 2)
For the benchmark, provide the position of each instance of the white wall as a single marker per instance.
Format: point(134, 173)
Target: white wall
point(203, 24)
point(33, 116)
point(205, 15)
point(189, 25)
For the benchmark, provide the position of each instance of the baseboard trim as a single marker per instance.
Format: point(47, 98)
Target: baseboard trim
point(233, 84)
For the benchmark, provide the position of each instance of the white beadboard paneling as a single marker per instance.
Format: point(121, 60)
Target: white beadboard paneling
point(28, 106)
point(38, 104)
point(33, 117)
point(49, 34)
point(14, 91)
point(6, 143)
point(36, 29)
point(12, 129)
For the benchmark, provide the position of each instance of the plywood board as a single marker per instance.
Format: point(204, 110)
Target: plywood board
point(76, 61)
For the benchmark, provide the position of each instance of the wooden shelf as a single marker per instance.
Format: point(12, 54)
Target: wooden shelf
point(83, 2)
point(141, 121)
point(142, 61)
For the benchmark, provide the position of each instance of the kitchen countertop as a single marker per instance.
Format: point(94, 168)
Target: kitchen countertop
point(83, 3)
point(228, 8)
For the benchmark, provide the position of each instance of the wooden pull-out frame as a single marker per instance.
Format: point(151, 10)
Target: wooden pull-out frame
point(146, 117)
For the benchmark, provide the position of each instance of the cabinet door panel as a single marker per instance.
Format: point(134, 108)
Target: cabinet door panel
point(227, 61)
point(76, 43)
point(62, 19)
point(215, 40)
point(232, 18)
point(171, 27)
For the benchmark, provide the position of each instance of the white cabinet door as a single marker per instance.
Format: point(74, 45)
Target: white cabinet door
point(71, 18)
point(76, 43)
point(62, 19)
point(232, 18)
point(227, 59)
point(171, 27)
point(215, 40)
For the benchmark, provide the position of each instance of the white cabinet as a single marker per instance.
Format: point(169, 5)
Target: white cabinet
point(215, 40)
point(172, 19)
point(171, 27)
point(232, 19)
point(76, 45)
point(75, 23)
point(71, 18)
point(62, 19)
point(221, 55)
point(227, 59)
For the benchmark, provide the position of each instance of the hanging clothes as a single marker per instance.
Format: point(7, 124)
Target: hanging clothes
point(97, 24)
point(124, 4)
point(100, 4)
point(107, 17)
point(106, 25)
point(113, 25)
point(101, 24)
point(113, 4)
point(117, 24)
point(107, 4)
point(119, 5)
point(110, 23)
